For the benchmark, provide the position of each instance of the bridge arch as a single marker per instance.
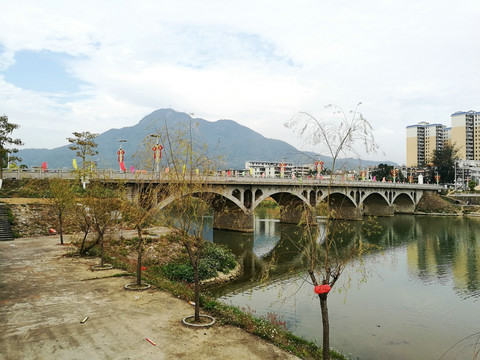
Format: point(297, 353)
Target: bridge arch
point(229, 212)
point(404, 203)
point(343, 205)
point(375, 204)
point(292, 205)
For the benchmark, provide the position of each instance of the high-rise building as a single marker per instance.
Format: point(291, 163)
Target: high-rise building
point(422, 140)
point(465, 134)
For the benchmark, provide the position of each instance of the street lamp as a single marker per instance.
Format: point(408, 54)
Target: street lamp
point(157, 154)
point(121, 155)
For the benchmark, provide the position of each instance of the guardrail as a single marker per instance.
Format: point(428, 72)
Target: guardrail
point(144, 176)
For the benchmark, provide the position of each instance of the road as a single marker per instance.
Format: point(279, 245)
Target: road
point(44, 296)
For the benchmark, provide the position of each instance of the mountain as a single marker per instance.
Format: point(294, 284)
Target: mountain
point(236, 143)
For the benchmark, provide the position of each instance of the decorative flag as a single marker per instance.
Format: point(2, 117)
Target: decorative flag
point(122, 167)
point(251, 171)
point(132, 169)
point(74, 163)
point(197, 171)
point(44, 166)
point(184, 168)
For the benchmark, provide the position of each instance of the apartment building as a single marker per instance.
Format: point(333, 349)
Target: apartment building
point(422, 139)
point(464, 133)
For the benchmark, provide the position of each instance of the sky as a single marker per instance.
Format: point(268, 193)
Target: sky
point(87, 65)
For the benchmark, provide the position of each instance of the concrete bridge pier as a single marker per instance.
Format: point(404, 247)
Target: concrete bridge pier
point(233, 219)
point(296, 213)
point(293, 210)
point(372, 210)
point(346, 213)
point(342, 207)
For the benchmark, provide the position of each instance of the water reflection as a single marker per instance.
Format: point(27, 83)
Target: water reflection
point(437, 247)
point(424, 290)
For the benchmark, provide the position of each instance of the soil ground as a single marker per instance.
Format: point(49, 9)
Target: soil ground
point(44, 296)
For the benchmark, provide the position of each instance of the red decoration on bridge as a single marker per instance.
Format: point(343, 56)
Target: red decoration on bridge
point(157, 152)
point(322, 289)
point(120, 154)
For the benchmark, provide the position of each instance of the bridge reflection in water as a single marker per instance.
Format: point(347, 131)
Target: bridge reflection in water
point(423, 289)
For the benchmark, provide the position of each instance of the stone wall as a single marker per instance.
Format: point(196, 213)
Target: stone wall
point(31, 219)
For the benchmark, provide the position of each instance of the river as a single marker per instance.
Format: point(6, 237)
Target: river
point(420, 298)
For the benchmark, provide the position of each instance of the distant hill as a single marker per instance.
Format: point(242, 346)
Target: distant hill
point(236, 143)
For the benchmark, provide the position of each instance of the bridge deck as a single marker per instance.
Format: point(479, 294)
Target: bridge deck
point(142, 177)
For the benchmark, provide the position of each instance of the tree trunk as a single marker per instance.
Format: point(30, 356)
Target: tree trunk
point(197, 292)
point(82, 247)
point(326, 326)
point(139, 268)
point(139, 258)
point(60, 226)
point(101, 249)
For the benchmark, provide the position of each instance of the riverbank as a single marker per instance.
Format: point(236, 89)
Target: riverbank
point(46, 295)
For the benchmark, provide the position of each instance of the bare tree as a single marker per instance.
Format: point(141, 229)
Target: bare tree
point(61, 198)
point(188, 166)
point(141, 214)
point(102, 203)
point(339, 134)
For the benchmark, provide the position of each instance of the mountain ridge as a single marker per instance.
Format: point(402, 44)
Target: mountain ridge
point(236, 142)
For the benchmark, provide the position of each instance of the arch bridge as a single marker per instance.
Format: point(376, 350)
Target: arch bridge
point(235, 199)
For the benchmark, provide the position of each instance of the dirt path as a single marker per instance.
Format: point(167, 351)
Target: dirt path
point(44, 296)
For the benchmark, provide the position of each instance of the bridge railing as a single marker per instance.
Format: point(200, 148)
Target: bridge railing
point(144, 176)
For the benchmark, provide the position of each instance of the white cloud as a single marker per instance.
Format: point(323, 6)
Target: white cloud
point(257, 63)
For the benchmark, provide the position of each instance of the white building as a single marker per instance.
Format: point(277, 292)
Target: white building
point(269, 169)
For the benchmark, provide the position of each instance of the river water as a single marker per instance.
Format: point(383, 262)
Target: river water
point(419, 300)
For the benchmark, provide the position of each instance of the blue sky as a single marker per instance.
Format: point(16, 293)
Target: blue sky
point(42, 71)
point(91, 66)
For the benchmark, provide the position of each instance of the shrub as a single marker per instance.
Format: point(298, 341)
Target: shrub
point(178, 272)
point(220, 257)
point(214, 258)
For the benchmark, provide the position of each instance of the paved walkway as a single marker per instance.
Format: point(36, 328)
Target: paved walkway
point(44, 296)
